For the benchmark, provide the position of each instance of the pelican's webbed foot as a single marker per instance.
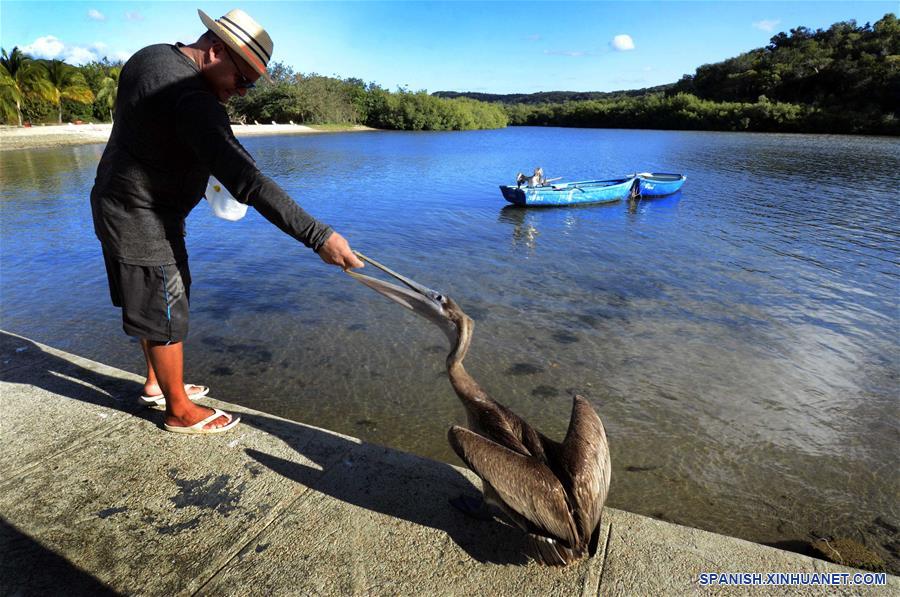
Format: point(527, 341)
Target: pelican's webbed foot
point(474, 507)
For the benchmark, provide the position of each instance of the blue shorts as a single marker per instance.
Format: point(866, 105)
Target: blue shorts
point(154, 298)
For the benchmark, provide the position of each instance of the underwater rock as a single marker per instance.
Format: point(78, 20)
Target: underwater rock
point(848, 552)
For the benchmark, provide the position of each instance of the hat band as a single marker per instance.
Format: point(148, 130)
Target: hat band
point(251, 59)
point(244, 36)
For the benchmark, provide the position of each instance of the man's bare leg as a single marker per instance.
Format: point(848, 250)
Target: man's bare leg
point(151, 386)
point(166, 361)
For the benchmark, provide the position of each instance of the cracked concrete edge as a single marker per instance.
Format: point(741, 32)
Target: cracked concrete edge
point(594, 588)
point(252, 536)
point(11, 476)
point(265, 528)
point(649, 556)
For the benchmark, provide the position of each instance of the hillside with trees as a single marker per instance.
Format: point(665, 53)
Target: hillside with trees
point(844, 79)
point(552, 97)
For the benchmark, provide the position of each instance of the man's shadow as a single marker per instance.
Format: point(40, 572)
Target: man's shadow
point(369, 476)
point(29, 568)
point(24, 362)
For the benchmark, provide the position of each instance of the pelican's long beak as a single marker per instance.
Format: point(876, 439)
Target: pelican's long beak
point(422, 300)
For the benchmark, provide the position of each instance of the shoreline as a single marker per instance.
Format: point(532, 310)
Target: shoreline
point(36, 137)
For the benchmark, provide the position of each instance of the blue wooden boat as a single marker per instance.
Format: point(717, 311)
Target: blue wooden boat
point(659, 184)
point(570, 193)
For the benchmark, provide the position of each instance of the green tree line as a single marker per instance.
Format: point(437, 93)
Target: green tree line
point(844, 79)
point(684, 111)
point(315, 99)
point(552, 97)
point(42, 91)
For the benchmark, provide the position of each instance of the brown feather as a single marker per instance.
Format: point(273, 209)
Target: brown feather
point(524, 484)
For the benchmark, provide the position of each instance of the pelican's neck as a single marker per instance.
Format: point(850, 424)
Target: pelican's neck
point(464, 327)
point(464, 384)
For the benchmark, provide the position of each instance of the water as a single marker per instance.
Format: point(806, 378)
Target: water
point(739, 339)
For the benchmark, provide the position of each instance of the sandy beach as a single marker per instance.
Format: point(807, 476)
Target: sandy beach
point(13, 137)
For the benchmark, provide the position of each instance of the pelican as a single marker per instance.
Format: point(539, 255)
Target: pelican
point(553, 491)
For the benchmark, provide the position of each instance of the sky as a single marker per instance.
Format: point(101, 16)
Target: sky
point(490, 47)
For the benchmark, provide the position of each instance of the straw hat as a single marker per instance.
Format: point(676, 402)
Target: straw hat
point(244, 36)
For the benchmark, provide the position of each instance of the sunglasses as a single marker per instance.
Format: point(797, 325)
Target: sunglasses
point(243, 82)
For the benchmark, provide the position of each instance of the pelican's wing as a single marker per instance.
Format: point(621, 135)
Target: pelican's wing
point(526, 486)
point(585, 459)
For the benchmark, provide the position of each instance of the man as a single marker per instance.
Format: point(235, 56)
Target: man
point(171, 132)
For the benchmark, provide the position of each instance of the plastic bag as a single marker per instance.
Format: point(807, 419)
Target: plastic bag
point(223, 204)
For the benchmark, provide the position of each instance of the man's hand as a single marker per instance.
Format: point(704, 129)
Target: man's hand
point(336, 251)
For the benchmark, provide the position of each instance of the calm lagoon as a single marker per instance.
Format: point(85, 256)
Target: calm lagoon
point(739, 340)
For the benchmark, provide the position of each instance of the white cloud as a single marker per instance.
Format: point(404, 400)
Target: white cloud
point(95, 15)
point(534, 37)
point(52, 48)
point(133, 15)
point(766, 24)
point(45, 47)
point(622, 43)
point(77, 55)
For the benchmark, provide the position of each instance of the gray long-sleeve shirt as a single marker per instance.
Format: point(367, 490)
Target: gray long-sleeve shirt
point(170, 133)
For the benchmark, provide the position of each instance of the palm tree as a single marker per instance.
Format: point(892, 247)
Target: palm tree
point(67, 83)
point(20, 76)
point(109, 89)
point(10, 97)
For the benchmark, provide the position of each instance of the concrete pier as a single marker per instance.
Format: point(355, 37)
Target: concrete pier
point(96, 498)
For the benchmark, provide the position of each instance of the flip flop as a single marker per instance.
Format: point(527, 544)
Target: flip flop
point(160, 400)
point(197, 428)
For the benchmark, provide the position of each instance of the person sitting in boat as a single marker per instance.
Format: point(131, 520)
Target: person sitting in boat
point(535, 180)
